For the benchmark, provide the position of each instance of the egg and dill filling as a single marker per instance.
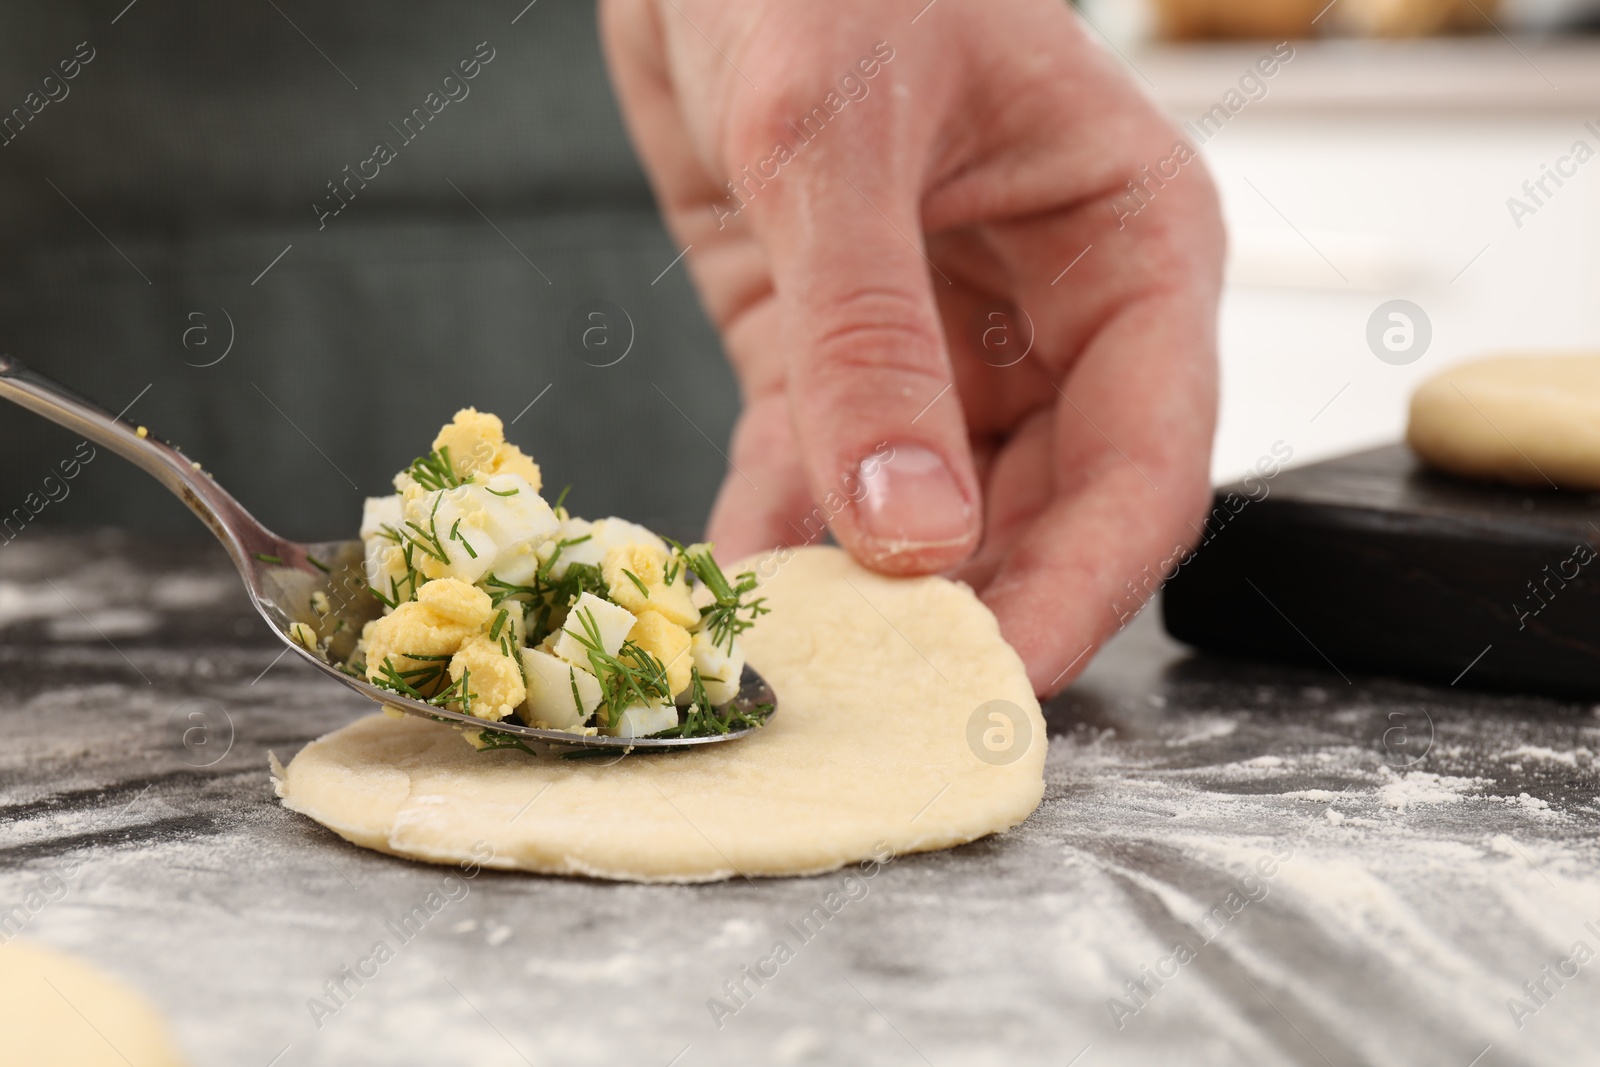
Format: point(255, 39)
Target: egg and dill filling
point(505, 607)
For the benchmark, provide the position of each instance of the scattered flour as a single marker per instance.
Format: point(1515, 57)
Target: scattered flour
point(1549, 755)
point(1207, 731)
point(1524, 800)
point(1424, 787)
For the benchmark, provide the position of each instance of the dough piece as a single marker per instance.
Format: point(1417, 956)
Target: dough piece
point(86, 1020)
point(1528, 420)
point(878, 680)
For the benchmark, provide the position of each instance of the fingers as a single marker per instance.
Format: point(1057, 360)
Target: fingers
point(1018, 486)
point(1130, 451)
point(867, 368)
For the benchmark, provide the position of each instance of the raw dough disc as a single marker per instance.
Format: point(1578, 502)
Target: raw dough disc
point(85, 1020)
point(879, 682)
point(1528, 420)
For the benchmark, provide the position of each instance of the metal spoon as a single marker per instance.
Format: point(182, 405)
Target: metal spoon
point(284, 578)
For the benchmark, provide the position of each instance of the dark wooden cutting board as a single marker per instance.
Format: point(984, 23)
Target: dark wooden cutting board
point(1372, 562)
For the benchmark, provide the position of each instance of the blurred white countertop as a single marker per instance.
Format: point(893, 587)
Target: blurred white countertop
point(1365, 172)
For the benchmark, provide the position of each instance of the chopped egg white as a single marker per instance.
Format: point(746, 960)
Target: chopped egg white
point(550, 685)
point(385, 571)
point(378, 512)
point(514, 512)
point(611, 622)
point(488, 611)
point(479, 528)
point(719, 671)
point(450, 525)
point(640, 720)
point(603, 535)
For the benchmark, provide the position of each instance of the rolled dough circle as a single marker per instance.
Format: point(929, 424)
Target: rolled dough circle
point(58, 1012)
point(1527, 420)
point(877, 679)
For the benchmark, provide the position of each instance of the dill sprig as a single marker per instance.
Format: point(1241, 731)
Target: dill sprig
point(501, 591)
point(418, 682)
point(428, 540)
point(491, 740)
point(703, 720)
point(638, 583)
point(411, 582)
point(455, 535)
point(633, 676)
point(435, 471)
point(730, 615)
point(548, 597)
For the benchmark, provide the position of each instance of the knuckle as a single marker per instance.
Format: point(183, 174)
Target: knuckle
point(880, 328)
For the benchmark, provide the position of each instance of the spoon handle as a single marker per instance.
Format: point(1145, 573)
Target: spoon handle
point(236, 528)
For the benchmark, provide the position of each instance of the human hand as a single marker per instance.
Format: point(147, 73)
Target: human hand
point(968, 162)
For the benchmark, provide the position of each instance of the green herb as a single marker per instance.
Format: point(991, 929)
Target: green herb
point(460, 692)
point(435, 471)
point(577, 701)
point(413, 580)
point(264, 558)
point(508, 492)
point(633, 676)
point(499, 621)
point(387, 602)
point(500, 591)
point(317, 563)
point(634, 578)
point(428, 540)
point(730, 615)
point(455, 535)
point(562, 545)
point(407, 683)
point(548, 597)
point(561, 499)
point(419, 683)
point(702, 720)
point(492, 740)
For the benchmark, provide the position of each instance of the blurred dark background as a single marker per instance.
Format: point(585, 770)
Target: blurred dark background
point(192, 148)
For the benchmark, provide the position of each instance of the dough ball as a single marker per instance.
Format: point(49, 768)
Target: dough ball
point(884, 685)
point(58, 1012)
point(1527, 420)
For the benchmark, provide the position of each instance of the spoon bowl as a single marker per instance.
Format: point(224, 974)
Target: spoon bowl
point(321, 585)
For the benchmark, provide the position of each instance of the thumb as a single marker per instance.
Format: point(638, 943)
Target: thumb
point(881, 434)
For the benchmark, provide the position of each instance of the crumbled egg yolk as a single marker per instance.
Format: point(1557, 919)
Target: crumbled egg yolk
point(468, 520)
point(446, 614)
point(667, 642)
point(478, 445)
point(496, 682)
point(303, 635)
point(648, 564)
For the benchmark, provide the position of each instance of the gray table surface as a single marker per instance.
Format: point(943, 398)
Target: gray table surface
point(1440, 850)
